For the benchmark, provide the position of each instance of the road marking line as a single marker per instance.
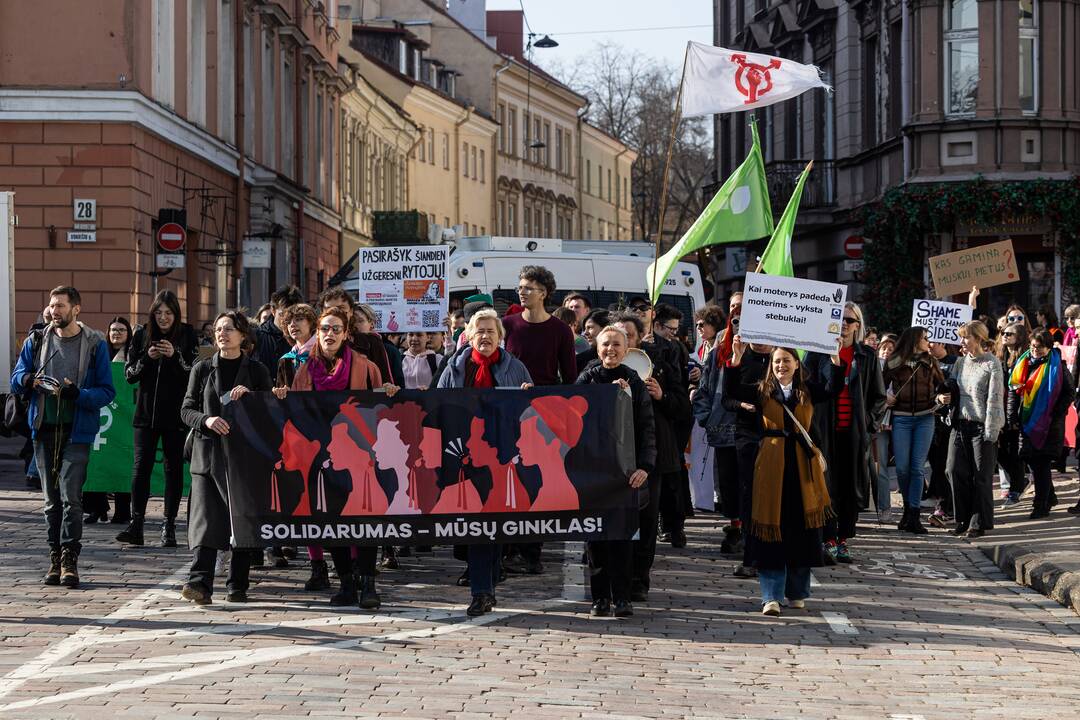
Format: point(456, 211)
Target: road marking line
point(814, 581)
point(839, 623)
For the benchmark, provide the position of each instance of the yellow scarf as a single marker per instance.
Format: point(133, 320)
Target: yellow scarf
point(769, 475)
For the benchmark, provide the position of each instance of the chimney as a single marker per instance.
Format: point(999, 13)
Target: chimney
point(506, 26)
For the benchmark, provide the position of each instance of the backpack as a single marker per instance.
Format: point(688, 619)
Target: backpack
point(17, 405)
point(433, 363)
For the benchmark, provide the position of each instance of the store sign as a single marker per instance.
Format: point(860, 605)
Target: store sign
point(257, 254)
point(1011, 225)
point(82, 236)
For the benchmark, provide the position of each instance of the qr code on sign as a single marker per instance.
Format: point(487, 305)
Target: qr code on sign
point(378, 318)
point(432, 318)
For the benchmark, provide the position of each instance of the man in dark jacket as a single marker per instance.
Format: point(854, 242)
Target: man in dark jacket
point(271, 342)
point(845, 425)
point(675, 503)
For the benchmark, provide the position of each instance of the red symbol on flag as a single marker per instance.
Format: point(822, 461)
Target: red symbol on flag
point(756, 77)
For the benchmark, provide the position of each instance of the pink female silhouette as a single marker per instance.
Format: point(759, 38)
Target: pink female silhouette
point(550, 426)
point(297, 454)
point(350, 449)
point(394, 452)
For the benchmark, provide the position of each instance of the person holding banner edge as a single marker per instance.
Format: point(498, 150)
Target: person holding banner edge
point(222, 378)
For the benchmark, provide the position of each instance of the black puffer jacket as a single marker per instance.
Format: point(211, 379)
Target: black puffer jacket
point(644, 424)
point(162, 382)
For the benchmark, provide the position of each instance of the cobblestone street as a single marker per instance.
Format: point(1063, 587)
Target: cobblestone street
point(915, 628)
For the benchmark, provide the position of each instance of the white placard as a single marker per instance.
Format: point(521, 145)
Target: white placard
point(174, 261)
point(256, 254)
point(84, 210)
point(82, 237)
point(405, 286)
point(941, 319)
point(792, 312)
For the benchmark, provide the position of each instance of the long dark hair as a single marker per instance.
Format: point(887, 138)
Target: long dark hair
point(123, 321)
point(1007, 354)
point(907, 347)
point(768, 385)
point(169, 300)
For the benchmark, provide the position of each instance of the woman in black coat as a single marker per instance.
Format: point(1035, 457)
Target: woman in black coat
point(159, 360)
point(230, 371)
point(610, 561)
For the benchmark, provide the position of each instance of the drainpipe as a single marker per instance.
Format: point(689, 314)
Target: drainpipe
point(457, 148)
point(240, 229)
point(495, 151)
point(580, 164)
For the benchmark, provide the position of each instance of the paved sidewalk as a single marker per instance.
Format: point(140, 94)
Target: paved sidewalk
point(916, 628)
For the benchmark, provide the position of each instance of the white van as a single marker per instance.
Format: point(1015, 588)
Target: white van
point(608, 272)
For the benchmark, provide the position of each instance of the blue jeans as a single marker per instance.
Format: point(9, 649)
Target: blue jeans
point(881, 479)
point(790, 582)
point(62, 465)
point(911, 438)
point(484, 567)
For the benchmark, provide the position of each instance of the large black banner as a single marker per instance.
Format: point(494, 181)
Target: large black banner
point(431, 467)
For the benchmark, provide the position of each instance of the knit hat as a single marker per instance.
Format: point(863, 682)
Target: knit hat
point(562, 415)
point(473, 307)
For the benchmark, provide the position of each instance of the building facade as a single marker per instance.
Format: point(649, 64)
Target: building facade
point(224, 111)
point(955, 95)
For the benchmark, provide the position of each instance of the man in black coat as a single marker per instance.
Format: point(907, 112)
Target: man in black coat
point(271, 342)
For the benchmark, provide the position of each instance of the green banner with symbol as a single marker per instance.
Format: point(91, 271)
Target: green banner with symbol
point(113, 451)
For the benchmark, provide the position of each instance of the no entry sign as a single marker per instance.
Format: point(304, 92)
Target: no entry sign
point(853, 247)
point(171, 237)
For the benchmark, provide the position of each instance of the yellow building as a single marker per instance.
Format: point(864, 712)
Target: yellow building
point(376, 140)
point(605, 186)
point(449, 175)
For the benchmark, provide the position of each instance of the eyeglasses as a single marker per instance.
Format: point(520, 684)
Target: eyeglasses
point(850, 321)
point(526, 290)
point(671, 328)
point(1014, 318)
point(1008, 334)
point(699, 324)
point(1037, 348)
point(332, 329)
point(225, 330)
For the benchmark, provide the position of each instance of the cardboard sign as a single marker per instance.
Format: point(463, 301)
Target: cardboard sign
point(406, 287)
point(984, 266)
point(941, 319)
point(792, 312)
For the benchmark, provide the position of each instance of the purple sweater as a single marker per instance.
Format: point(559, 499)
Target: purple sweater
point(546, 349)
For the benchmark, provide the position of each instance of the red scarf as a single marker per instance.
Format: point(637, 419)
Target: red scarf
point(484, 377)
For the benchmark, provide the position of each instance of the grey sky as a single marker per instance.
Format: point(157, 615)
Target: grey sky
point(580, 25)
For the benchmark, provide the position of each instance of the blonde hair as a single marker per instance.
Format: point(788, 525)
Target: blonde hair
point(614, 329)
point(1073, 311)
point(484, 314)
point(977, 330)
point(860, 332)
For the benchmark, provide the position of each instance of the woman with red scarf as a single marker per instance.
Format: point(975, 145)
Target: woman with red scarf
point(483, 364)
point(334, 366)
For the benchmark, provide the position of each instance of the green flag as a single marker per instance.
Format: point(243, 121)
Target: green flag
point(739, 212)
point(776, 259)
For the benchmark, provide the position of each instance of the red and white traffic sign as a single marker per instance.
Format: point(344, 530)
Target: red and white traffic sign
point(853, 247)
point(171, 237)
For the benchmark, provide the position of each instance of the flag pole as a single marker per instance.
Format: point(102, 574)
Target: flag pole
point(809, 166)
point(667, 168)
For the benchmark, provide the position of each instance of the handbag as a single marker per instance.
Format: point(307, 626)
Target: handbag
point(819, 457)
point(16, 412)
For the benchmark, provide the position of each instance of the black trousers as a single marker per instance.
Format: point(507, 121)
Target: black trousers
point(746, 451)
point(610, 569)
point(845, 503)
point(363, 563)
point(726, 470)
point(146, 444)
point(202, 569)
point(1045, 496)
point(939, 459)
point(644, 548)
point(672, 502)
point(1010, 461)
point(972, 461)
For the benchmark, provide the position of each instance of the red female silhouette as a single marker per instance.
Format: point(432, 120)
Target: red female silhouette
point(550, 426)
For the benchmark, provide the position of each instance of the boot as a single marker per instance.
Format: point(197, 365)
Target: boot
point(133, 533)
point(905, 519)
point(69, 567)
point(320, 576)
point(369, 597)
point(915, 525)
point(53, 576)
point(168, 533)
point(347, 594)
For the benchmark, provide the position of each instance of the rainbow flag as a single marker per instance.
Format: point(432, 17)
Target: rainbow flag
point(1038, 388)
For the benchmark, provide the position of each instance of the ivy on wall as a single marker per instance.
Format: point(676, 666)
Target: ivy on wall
point(895, 228)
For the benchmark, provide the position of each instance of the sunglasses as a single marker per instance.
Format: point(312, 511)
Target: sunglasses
point(1008, 334)
point(332, 329)
point(640, 308)
point(1014, 318)
point(850, 321)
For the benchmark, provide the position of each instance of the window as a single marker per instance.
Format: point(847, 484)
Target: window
point(870, 92)
point(1029, 56)
point(330, 189)
point(528, 222)
point(249, 83)
point(588, 177)
point(559, 225)
point(269, 136)
point(511, 133)
point(569, 228)
point(305, 125)
point(536, 136)
point(609, 184)
point(792, 129)
point(547, 223)
point(465, 159)
point(547, 144)
point(895, 99)
point(500, 220)
point(625, 192)
point(511, 217)
point(558, 151)
point(288, 117)
point(569, 165)
point(502, 127)
point(164, 82)
point(472, 157)
point(600, 181)
point(482, 165)
point(196, 89)
point(416, 64)
point(526, 126)
point(962, 57)
point(421, 152)
point(226, 71)
point(446, 151)
point(403, 57)
point(319, 142)
point(431, 146)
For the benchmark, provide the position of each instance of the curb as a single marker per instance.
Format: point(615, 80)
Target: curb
point(1054, 574)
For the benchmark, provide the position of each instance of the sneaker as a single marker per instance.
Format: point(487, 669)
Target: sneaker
point(52, 577)
point(196, 593)
point(1010, 500)
point(480, 605)
point(601, 608)
point(289, 552)
point(771, 608)
point(1039, 513)
point(275, 558)
point(974, 533)
point(884, 517)
point(237, 596)
point(463, 580)
point(937, 519)
point(797, 604)
point(622, 608)
point(732, 536)
point(830, 552)
point(959, 530)
point(1074, 509)
point(69, 568)
point(389, 562)
point(745, 571)
point(842, 554)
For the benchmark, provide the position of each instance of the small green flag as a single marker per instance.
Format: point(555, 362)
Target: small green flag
point(739, 212)
point(776, 259)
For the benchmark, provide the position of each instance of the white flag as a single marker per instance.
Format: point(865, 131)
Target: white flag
point(718, 80)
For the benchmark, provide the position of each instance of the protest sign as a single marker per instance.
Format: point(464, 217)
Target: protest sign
point(431, 467)
point(113, 450)
point(792, 312)
point(405, 286)
point(983, 266)
point(941, 319)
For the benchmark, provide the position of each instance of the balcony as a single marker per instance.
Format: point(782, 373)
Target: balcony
point(820, 189)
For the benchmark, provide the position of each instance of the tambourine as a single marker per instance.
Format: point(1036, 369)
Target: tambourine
point(639, 362)
point(49, 384)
